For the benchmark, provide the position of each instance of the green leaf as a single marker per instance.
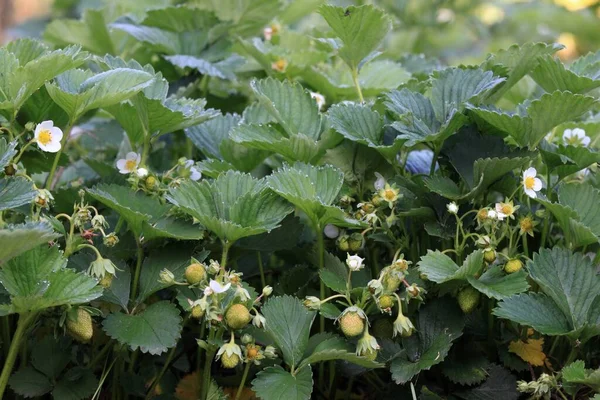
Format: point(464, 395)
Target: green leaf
point(551, 74)
point(519, 60)
point(465, 368)
point(500, 384)
point(29, 383)
point(233, 206)
point(312, 189)
point(567, 160)
point(224, 69)
point(535, 310)
point(291, 106)
point(359, 123)
point(576, 374)
point(542, 115)
point(361, 30)
point(275, 383)
point(90, 32)
point(15, 192)
point(570, 279)
point(243, 17)
point(173, 258)
point(496, 284)
point(440, 268)
point(50, 356)
point(17, 239)
point(26, 275)
point(7, 152)
point(77, 91)
point(145, 215)
point(76, 384)
point(336, 348)
point(335, 273)
point(453, 87)
point(154, 330)
point(288, 322)
point(439, 323)
point(25, 65)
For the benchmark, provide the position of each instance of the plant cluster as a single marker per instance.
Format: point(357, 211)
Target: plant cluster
point(209, 200)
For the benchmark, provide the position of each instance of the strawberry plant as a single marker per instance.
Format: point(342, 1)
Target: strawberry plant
point(298, 200)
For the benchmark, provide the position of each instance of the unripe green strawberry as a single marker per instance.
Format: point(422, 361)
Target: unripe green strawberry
point(391, 282)
point(195, 273)
point(229, 361)
point(468, 299)
point(356, 241)
point(489, 256)
point(352, 324)
point(343, 242)
point(386, 302)
point(370, 355)
point(106, 281)
point(237, 316)
point(81, 329)
point(513, 266)
point(197, 312)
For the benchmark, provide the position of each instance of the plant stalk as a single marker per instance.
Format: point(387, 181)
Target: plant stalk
point(138, 268)
point(357, 85)
point(49, 180)
point(25, 321)
point(243, 382)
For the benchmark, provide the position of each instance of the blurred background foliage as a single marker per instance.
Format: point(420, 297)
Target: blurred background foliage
point(455, 31)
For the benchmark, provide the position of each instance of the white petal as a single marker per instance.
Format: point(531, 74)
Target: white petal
point(195, 174)
point(121, 164)
point(585, 141)
point(46, 125)
point(531, 193)
point(567, 134)
point(51, 147)
point(188, 163)
point(56, 133)
point(530, 172)
point(537, 184)
point(131, 156)
point(380, 182)
point(579, 132)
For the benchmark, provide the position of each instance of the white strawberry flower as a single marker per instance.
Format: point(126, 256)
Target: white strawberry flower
point(48, 137)
point(576, 137)
point(194, 173)
point(531, 184)
point(319, 98)
point(452, 208)
point(380, 182)
point(130, 163)
point(142, 172)
point(354, 262)
point(216, 287)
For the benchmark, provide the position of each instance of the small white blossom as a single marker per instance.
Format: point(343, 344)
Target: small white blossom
point(268, 33)
point(331, 231)
point(452, 208)
point(258, 320)
point(380, 182)
point(576, 137)
point(216, 287)
point(195, 175)
point(492, 214)
point(531, 184)
point(319, 98)
point(129, 164)
point(48, 137)
point(355, 263)
point(142, 172)
point(242, 293)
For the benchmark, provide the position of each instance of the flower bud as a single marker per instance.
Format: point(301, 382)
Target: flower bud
point(270, 352)
point(331, 231)
point(246, 338)
point(30, 126)
point(101, 266)
point(267, 290)
point(110, 240)
point(312, 302)
point(166, 277)
point(98, 222)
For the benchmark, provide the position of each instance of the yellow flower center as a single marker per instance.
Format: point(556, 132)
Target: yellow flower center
point(130, 165)
point(280, 65)
point(507, 209)
point(45, 137)
point(529, 182)
point(526, 224)
point(389, 195)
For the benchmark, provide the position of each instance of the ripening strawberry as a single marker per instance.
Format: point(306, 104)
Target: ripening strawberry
point(237, 316)
point(352, 324)
point(81, 329)
point(513, 266)
point(468, 299)
point(230, 360)
point(195, 273)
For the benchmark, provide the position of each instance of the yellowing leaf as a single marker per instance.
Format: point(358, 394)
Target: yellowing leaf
point(530, 351)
